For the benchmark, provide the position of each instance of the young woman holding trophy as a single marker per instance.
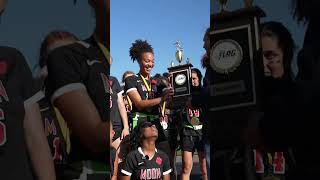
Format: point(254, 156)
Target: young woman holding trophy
point(146, 97)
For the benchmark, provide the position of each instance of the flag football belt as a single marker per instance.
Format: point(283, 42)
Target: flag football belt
point(137, 115)
point(92, 167)
point(196, 127)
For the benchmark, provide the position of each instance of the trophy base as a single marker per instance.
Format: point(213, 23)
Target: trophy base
point(181, 80)
point(178, 102)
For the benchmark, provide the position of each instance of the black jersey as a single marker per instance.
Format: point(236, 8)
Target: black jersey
point(126, 99)
point(115, 92)
point(192, 121)
point(81, 66)
point(53, 132)
point(17, 92)
point(136, 82)
point(140, 168)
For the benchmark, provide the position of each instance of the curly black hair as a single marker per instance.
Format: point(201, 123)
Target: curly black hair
point(138, 48)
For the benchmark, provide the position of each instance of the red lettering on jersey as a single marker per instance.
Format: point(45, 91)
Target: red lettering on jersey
point(258, 160)
point(190, 113)
point(149, 174)
point(154, 173)
point(50, 127)
point(57, 153)
point(143, 174)
point(279, 163)
point(3, 67)
point(3, 92)
point(3, 133)
point(196, 113)
point(158, 173)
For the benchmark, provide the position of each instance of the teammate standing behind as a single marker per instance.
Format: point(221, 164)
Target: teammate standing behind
point(119, 117)
point(56, 128)
point(142, 90)
point(24, 151)
point(192, 121)
point(78, 83)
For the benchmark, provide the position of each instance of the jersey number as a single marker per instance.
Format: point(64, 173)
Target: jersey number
point(3, 134)
point(57, 153)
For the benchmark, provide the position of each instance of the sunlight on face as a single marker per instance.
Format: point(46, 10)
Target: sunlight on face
point(146, 63)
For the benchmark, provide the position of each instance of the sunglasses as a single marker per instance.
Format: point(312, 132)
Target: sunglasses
point(146, 124)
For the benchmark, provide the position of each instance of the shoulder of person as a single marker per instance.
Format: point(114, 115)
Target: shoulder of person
point(134, 77)
point(10, 53)
point(162, 154)
point(77, 47)
point(113, 79)
point(133, 153)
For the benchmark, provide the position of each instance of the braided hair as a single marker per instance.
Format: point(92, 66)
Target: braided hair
point(138, 48)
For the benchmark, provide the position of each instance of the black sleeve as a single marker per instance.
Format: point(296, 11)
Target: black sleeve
point(30, 93)
point(166, 165)
point(116, 85)
point(129, 165)
point(64, 72)
point(130, 83)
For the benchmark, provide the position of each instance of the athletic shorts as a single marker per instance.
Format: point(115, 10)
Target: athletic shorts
point(116, 135)
point(192, 143)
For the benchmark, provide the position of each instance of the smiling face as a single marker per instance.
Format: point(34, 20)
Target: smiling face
point(146, 63)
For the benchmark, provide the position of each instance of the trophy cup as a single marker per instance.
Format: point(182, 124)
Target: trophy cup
point(181, 79)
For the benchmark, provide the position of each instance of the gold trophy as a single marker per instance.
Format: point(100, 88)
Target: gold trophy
point(181, 78)
point(179, 52)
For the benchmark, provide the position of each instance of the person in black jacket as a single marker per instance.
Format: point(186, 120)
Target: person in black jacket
point(277, 51)
point(301, 128)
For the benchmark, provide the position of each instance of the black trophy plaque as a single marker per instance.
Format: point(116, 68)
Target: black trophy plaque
point(234, 40)
point(181, 83)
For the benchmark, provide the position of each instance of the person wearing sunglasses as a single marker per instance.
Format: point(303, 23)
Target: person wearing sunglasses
point(146, 162)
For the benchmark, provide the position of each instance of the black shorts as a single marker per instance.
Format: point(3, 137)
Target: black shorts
point(116, 135)
point(192, 143)
point(172, 137)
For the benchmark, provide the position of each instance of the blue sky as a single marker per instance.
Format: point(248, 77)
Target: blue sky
point(25, 23)
point(161, 22)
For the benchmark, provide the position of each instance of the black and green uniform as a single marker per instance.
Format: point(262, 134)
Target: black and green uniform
point(137, 83)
